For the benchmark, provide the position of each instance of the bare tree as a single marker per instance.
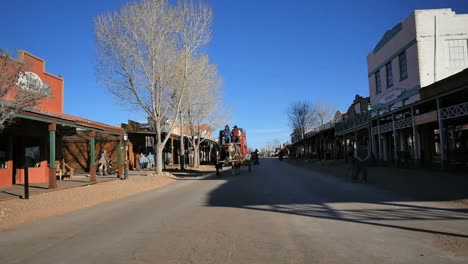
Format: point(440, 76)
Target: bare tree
point(270, 147)
point(203, 107)
point(19, 88)
point(194, 19)
point(143, 53)
point(323, 113)
point(300, 116)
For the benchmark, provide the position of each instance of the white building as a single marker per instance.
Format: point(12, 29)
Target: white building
point(428, 46)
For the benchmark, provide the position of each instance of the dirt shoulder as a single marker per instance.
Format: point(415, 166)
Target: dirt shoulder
point(18, 211)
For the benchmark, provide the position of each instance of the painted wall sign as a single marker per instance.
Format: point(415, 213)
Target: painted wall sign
point(30, 81)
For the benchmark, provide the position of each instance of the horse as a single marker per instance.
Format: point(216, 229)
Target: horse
point(235, 157)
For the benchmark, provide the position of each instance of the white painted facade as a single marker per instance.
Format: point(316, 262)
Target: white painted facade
point(435, 44)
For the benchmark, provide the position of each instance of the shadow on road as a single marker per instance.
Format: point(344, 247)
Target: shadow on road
point(282, 188)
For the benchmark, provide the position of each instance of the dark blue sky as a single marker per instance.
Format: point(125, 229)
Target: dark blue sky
point(269, 53)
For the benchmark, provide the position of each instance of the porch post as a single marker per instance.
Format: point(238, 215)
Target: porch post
point(172, 152)
point(344, 149)
point(416, 142)
point(443, 147)
point(92, 156)
point(52, 169)
point(120, 157)
point(379, 139)
point(395, 143)
point(372, 141)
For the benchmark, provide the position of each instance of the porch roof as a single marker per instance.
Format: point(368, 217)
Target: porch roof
point(68, 120)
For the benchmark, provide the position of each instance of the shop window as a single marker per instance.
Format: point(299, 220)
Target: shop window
point(3, 159)
point(436, 142)
point(32, 156)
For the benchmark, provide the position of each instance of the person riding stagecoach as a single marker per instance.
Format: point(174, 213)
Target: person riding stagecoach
point(235, 134)
point(225, 135)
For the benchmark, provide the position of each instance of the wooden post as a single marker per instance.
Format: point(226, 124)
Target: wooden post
point(52, 169)
point(416, 141)
point(120, 157)
point(443, 147)
point(92, 156)
point(395, 143)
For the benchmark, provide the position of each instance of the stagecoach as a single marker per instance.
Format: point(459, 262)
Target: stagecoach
point(233, 154)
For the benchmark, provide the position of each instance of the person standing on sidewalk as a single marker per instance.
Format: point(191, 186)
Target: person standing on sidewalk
point(143, 160)
point(361, 156)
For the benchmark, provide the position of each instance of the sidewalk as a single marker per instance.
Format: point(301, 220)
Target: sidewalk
point(420, 184)
point(80, 180)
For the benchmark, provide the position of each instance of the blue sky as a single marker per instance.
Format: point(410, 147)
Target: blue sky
point(269, 53)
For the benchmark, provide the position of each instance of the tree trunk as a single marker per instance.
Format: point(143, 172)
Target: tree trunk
point(182, 149)
point(196, 156)
point(159, 157)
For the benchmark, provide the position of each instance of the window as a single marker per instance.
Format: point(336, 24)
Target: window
point(32, 155)
point(457, 52)
point(403, 67)
point(388, 70)
point(378, 84)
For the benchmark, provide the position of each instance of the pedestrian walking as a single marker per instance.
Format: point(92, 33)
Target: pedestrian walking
point(103, 163)
point(361, 156)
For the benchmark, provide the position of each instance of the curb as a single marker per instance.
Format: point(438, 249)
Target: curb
point(205, 176)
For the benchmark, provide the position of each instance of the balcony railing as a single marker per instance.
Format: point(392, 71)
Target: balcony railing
point(349, 125)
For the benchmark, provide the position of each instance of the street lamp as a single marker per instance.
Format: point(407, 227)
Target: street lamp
point(125, 138)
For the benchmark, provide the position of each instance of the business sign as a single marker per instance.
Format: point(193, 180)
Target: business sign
point(390, 96)
point(66, 131)
point(29, 81)
point(426, 118)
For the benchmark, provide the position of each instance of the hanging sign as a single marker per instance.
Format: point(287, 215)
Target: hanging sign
point(66, 131)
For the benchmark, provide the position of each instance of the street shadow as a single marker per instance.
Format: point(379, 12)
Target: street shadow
point(34, 186)
point(12, 194)
point(282, 188)
point(422, 184)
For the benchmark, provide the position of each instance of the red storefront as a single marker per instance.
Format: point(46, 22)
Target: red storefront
point(34, 140)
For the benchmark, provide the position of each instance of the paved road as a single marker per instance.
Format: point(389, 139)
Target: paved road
point(277, 214)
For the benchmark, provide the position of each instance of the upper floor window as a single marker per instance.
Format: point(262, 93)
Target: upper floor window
point(378, 83)
point(403, 66)
point(388, 70)
point(457, 52)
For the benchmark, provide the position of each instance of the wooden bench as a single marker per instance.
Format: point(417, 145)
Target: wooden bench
point(63, 170)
